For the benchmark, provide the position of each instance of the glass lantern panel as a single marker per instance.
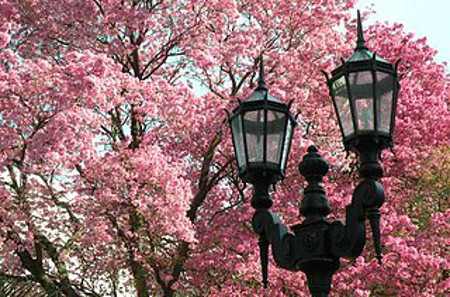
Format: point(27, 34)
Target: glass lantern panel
point(275, 130)
point(385, 91)
point(342, 103)
point(254, 135)
point(238, 138)
point(286, 143)
point(361, 87)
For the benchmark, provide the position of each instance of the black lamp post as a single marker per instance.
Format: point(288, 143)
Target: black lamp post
point(364, 91)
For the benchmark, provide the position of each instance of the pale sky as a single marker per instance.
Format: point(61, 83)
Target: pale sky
point(430, 18)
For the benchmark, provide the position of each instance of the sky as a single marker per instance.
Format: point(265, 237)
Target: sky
point(430, 18)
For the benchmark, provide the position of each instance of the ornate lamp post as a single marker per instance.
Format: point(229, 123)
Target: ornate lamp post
point(364, 92)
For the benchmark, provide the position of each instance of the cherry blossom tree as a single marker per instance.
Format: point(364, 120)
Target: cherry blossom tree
point(116, 164)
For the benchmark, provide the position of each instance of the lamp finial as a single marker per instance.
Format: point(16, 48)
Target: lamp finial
point(261, 82)
point(360, 43)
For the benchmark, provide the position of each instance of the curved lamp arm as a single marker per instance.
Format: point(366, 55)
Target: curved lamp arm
point(348, 240)
point(271, 232)
point(269, 226)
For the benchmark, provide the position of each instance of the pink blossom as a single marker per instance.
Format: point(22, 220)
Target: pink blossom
point(5, 38)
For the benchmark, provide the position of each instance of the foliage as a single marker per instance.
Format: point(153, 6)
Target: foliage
point(432, 188)
point(117, 174)
point(13, 286)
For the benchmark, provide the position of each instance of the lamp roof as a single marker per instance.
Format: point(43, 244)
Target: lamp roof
point(361, 52)
point(261, 93)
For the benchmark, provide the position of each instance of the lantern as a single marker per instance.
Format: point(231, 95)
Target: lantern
point(364, 91)
point(262, 129)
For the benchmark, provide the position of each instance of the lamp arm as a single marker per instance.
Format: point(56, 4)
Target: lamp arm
point(270, 228)
point(348, 240)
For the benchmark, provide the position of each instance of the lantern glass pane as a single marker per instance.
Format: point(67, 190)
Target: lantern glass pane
point(385, 91)
point(361, 87)
point(342, 103)
point(254, 133)
point(275, 130)
point(238, 138)
point(286, 144)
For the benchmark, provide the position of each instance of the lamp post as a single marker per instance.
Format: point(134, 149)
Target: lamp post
point(364, 92)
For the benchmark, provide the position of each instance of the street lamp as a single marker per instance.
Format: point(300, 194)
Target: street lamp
point(262, 128)
point(364, 92)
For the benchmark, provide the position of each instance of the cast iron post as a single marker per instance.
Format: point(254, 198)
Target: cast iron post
point(316, 244)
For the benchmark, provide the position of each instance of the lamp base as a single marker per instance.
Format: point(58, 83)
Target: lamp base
point(319, 272)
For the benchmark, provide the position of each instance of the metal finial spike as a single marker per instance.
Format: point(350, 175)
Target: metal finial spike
point(264, 257)
point(379, 259)
point(360, 43)
point(261, 82)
